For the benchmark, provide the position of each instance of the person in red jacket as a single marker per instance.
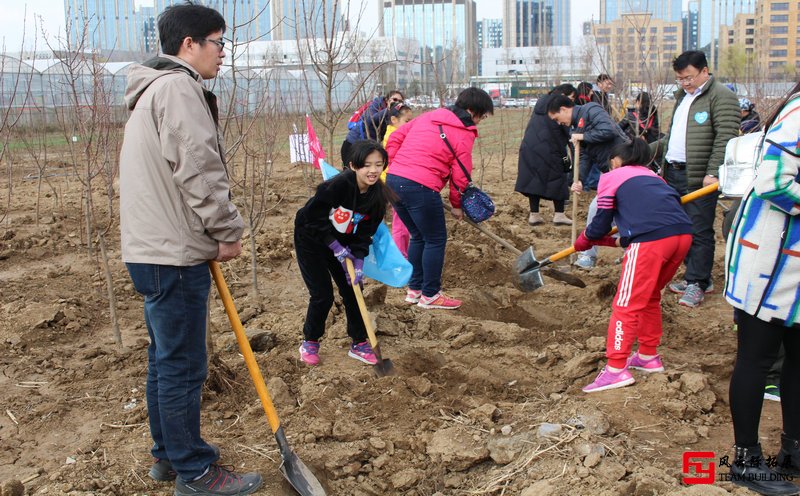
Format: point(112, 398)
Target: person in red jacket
point(422, 164)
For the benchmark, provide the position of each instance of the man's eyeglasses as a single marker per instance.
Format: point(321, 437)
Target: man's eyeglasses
point(395, 100)
point(686, 80)
point(220, 43)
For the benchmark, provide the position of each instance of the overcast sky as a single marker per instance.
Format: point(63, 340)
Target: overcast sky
point(18, 18)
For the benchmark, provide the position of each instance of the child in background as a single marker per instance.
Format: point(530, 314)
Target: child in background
point(398, 115)
point(335, 225)
point(656, 233)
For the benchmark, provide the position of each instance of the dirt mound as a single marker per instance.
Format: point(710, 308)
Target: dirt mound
point(487, 399)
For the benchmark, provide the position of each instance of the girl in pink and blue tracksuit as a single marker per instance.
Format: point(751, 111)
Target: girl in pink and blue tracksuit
point(656, 233)
point(422, 164)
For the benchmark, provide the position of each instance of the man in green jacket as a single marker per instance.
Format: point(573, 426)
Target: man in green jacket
point(705, 117)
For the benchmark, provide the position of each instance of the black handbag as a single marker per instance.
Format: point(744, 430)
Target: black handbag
point(476, 204)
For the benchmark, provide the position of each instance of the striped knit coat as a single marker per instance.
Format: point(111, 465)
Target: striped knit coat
point(762, 257)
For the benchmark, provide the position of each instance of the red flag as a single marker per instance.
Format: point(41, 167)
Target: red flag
point(314, 146)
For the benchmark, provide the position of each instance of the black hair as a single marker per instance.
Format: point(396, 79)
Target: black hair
point(774, 116)
point(558, 101)
point(694, 58)
point(584, 92)
point(177, 22)
point(645, 105)
point(476, 100)
point(564, 89)
point(394, 92)
point(637, 152)
point(604, 77)
point(398, 109)
point(379, 193)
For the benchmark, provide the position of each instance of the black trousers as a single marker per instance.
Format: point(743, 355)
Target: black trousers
point(317, 266)
point(702, 212)
point(759, 342)
point(533, 200)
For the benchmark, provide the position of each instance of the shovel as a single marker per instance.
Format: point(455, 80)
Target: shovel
point(529, 269)
point(383, 366)
point(293, 469)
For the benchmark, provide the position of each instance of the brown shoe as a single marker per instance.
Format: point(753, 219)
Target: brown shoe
point(561, 219)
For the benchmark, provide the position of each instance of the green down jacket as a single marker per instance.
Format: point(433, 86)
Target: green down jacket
point(713, 120)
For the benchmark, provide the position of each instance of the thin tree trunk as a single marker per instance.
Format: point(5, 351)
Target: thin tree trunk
point(112, 299)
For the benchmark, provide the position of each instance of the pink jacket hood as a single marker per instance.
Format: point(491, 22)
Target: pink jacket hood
point(418, 153)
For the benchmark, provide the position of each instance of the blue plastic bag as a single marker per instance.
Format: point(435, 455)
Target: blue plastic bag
point(384, 263)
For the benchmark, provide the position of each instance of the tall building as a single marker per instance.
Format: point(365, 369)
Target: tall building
point(446, 32)
point(640, 47)
point(298, 19)
point(251, 18)
point(715, 13)
point(101, 24)
point(690, 27)
point(145, 23)
point(776, 39)
point(490, 33)
point(665, 10)
point(528, 23)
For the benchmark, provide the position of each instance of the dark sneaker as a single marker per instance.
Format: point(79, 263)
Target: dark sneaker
point(789, 457)
point(220, 481)
point(692, 297)
point(749, 469)
point(162, 468)
point(772, 393)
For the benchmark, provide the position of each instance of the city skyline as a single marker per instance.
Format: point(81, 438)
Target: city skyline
point(52, 18)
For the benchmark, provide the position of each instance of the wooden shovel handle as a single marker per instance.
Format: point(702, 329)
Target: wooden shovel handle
point(684, 199)
point(244, 346)
point(362, 306)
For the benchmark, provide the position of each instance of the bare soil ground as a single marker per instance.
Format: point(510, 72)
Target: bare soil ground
point(487, 399)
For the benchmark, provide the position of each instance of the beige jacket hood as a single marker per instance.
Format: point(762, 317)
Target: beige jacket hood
point(174, 193)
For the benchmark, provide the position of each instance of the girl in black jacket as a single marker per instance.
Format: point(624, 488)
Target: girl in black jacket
point(335, 225)
point(543, 161)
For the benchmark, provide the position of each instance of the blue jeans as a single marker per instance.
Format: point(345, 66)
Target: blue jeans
point(175, 300)
point(421, 210)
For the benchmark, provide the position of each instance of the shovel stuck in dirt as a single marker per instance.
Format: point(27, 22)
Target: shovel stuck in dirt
point(293, 469)
point(384, 366)
point(529, 269)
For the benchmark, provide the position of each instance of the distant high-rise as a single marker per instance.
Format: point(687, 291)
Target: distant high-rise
point(529, 23)
point(251, 18)
point(490, 33)
point(305, 18)
point(690, 27)
point(665, 10)
point(445, 30)
point(713, 14)
point(101, 24)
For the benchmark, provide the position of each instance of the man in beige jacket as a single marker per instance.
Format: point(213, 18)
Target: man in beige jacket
point(175, 216)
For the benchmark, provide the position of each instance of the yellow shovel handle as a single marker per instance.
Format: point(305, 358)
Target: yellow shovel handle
point(362, 306)
point(684, 199)
point(244, 346)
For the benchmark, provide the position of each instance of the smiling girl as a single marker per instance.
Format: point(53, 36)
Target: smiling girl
point(337, 224)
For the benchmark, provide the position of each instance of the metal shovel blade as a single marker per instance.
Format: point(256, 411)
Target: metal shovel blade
point(295, 471)
point(383, 366)
point(527, 276)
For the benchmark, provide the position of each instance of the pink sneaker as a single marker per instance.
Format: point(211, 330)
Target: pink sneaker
point(363, 352)
point(652, 365)
point(309, 352)
point(439, 300)
point(413, 296)
point(610, 380)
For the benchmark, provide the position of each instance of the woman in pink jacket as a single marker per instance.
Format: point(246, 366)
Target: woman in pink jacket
point(422, 164)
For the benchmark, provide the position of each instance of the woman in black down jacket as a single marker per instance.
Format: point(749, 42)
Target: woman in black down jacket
point(543, 161)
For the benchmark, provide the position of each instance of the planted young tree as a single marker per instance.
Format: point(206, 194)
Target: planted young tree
point(83, 113)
